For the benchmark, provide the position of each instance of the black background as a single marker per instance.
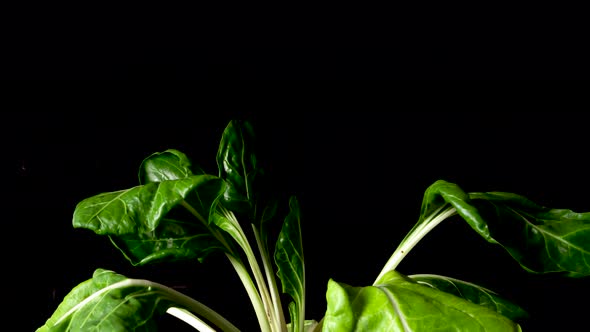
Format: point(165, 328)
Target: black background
point(218, 41)
point(359, 175)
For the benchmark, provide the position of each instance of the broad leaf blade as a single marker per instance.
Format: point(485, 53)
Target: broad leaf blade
point(290, 263)
point(541, 239)
point(472, 293)
point(175, 165)
point(135, 219)
point(89, 308)
point(400, 304)
point(238, 165)
point(172, 240)
point(137, 209)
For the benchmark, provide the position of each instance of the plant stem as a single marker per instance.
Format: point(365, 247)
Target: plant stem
point(192, 320)
point(252, 293)
point(255, 267)
point(413, 238)
point(255, 295)
point(280, 323)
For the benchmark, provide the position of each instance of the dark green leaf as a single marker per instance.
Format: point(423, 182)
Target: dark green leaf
point(88, 307)
point(238, 166)
point(473, 293)
point(171, 240)
point(135, 219)
point(541, 239)
point(398, 303)
point(138, 209)
point(268, 214)
point(168, 165)
point(290, 263)
point(441, 193)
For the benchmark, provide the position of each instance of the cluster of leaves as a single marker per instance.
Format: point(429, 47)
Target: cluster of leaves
point(179, 212)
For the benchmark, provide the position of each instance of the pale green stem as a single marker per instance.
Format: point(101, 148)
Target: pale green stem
point(263, 289)
point(280, 324)
point(171, 294)
point(252, 293)
point(255, 297)
point(413, 238)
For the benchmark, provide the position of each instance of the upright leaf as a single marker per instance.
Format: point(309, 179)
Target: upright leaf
point(238, 165)
point(290, 263)
point(472, 293)
point(398, 303)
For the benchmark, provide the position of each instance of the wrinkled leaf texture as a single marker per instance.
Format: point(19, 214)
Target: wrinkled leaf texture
point(139, 220)
point(540, 239)
point(398, 303)
point(119, 309)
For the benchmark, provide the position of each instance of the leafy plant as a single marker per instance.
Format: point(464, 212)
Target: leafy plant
point(179, 212)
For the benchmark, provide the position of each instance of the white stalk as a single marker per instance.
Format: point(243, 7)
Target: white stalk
point(280, 324)
point(255, 267)
point(259, 308)
point(190, 319)
point(413, 238)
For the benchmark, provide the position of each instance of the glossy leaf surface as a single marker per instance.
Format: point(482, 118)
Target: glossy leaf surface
point(125, 308)
point(541, 239)
point(172, 240)
point(472, 293)
point(290, 263)
point(168, 165)
point(138, 209)
point(137, 223)
point(238, 165)
point(398, 303)
point(441, 193)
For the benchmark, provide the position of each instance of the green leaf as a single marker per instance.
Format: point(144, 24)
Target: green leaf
point(238, 165)
point(107, 303)
point(175, 165)
point(441, 193)
point(541, 239)
point(398, 303)
point(168, 165)
point(136, 209)
point(245, 193)
point(472, 293)
point(172, 240)
point(290, 263)
point(136, 221)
